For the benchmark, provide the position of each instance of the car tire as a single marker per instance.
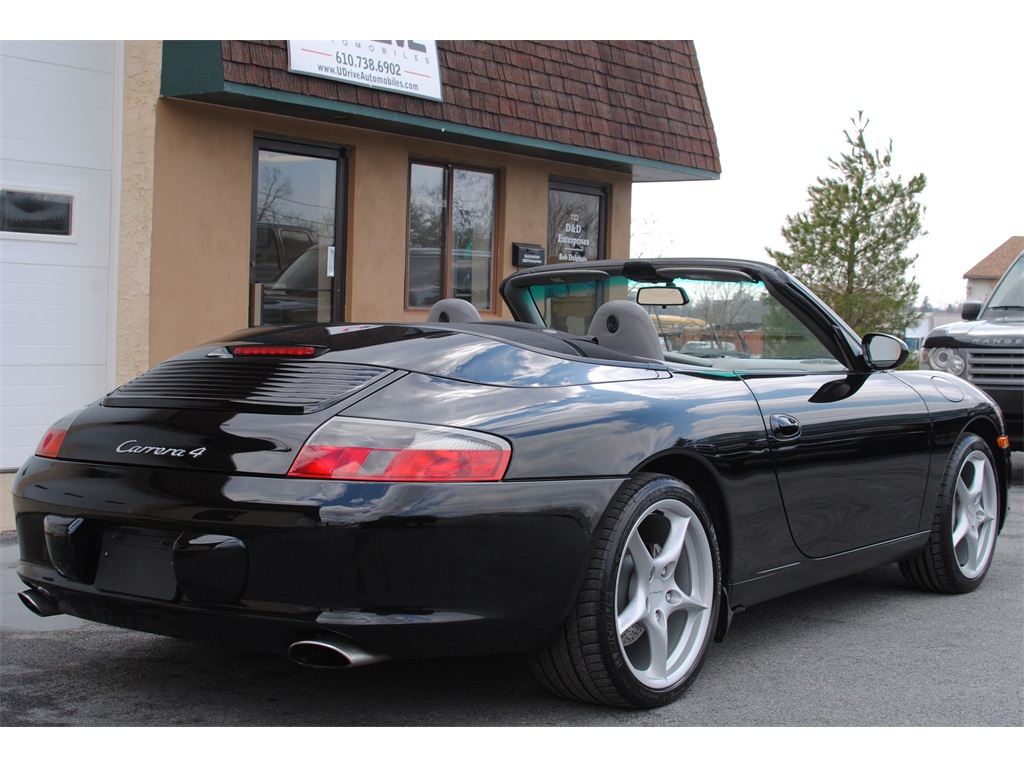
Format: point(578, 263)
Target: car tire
point(965, 524)
point(648, 605)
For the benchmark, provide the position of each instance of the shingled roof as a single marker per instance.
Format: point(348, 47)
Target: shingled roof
point(632, 105)
point(996, 263)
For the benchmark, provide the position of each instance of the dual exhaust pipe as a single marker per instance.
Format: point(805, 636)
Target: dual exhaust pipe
point(325, 651)
point(329, 651)
point(40, 602)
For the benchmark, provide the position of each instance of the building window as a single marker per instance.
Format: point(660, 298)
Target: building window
point(576, 221)
point(35, 213)
point(451, 235)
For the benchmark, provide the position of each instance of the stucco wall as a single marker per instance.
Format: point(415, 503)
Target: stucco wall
point(202, 209)
point(6, 507)
point(141, 90)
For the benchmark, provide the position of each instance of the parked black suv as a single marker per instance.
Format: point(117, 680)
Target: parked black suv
point(987, 348)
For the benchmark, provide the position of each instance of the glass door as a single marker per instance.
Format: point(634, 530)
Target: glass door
point(296, 265)
point(576, 221)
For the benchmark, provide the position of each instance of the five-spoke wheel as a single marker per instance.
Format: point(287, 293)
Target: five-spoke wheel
point(975, 520)
point(965, 524)
point(664, 593)
point(648, 607)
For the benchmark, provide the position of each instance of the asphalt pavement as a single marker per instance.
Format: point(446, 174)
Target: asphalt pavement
point(863, 651)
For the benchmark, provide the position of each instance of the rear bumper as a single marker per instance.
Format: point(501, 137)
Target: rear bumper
point(258, 562)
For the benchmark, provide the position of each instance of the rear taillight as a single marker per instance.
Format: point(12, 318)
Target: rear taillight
point(365, 449)
point(50, 444)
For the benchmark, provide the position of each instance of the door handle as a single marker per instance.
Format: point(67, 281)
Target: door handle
point(784, 426)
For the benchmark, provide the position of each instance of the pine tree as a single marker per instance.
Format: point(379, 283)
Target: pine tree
point(849, 246)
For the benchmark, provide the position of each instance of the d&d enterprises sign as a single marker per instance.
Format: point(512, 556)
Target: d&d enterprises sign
point(403, 66)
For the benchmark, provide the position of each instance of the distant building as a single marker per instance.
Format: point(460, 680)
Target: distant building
point(983, 276)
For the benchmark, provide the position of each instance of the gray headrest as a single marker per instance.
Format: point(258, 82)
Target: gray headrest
point(453, 311)
point(626, 327)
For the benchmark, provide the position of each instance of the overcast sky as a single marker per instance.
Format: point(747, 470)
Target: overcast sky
point(782, 82)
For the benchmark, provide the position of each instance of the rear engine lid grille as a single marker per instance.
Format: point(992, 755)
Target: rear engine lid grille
point(252, 385)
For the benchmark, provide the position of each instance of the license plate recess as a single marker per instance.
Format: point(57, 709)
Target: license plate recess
point(137, 564)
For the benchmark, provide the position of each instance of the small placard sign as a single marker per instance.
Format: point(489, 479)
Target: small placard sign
point(527, 255)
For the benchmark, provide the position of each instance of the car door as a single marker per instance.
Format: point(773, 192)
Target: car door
point(851, 454)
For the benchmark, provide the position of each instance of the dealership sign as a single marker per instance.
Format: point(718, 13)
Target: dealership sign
point(403, 66)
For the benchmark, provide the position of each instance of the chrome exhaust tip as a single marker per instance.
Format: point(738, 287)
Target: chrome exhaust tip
point(40, 602)
point(332, 652)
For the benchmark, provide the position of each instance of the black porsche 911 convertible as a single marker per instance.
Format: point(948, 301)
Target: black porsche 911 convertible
point(602, 484)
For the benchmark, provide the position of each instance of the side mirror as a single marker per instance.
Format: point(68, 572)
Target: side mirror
point(884, 352)
point(970, 310)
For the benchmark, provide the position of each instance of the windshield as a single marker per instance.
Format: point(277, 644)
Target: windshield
point(725, 320)
point(1009, 294)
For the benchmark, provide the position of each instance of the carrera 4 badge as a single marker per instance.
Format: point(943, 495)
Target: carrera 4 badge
point(133, 446)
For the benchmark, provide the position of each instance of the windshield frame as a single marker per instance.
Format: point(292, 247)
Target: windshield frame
point(520, 292)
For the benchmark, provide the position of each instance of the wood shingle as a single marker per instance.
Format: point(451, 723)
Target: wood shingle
point(633, 98)
point(996, 263)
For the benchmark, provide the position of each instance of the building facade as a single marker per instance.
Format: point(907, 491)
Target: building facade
point(204, 186)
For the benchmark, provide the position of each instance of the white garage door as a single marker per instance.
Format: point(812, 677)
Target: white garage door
point(60, 116)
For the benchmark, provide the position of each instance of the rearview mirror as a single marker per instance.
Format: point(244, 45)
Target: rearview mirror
point(667, 296)
point(883, 352)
